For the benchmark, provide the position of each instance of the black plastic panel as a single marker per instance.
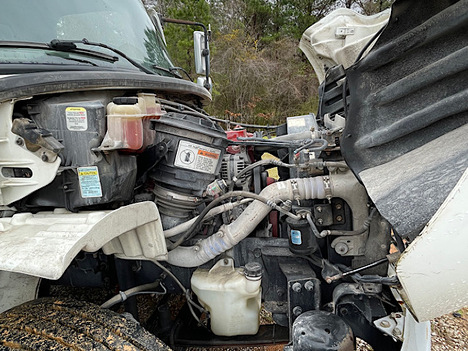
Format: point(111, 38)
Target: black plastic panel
point(405, 136)
point(28, 84)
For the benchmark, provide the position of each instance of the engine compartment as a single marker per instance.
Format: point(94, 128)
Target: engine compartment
point(338, 226)
point(276, 208)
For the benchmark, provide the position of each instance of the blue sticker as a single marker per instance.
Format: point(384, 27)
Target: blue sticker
point(296, 237)
point(90, 184)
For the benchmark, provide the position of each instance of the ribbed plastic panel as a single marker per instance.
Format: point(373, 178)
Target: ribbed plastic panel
point(405, 136)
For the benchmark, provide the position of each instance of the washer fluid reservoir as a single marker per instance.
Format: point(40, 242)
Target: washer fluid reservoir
point(231, 295)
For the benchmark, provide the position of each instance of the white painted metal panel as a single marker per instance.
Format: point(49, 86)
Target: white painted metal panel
point(433, 270)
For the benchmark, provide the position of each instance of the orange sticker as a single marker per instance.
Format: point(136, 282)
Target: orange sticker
point(208, 154)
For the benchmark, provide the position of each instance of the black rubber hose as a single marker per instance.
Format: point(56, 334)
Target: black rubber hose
point(323, 146)
point(215, 202)
point(215, 119)
point(377, 279)
point(245, 125)
point(187, 112)
point(190, 302)
point(138, 290)
point(247, 169)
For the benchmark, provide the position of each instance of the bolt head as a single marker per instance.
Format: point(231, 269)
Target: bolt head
point(309, 286)
point(297, 287)
point(341, 248)
point(385, 324)
point(257, 253)
point(297, 310)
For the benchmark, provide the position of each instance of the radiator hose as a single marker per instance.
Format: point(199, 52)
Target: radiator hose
point(344, 186)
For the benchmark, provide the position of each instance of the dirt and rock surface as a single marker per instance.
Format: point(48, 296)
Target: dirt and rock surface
point(449, 332)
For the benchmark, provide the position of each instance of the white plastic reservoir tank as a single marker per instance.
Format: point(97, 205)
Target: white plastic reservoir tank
point(231, 295)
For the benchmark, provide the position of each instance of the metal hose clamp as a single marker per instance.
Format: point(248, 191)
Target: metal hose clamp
point(327, 188)
point(295, 189)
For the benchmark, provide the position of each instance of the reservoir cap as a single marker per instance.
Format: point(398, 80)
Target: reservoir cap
point(253, 270)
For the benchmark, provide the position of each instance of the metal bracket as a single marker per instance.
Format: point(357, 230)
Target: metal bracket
point(343, 32)
point(302, 297)
point(323, 214)
point(354, 245)
point(345, 289)
point(392, 325)
point(303, 290)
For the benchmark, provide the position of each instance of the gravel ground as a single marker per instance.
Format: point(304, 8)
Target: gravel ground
point(449, 332)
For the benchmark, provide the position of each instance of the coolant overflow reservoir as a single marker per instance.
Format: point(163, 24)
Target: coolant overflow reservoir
point(231, 295)
point(128, 121)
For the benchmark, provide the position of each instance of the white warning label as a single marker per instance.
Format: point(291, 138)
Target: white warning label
point(77, 118)
point(90, 183)
point(197, 157)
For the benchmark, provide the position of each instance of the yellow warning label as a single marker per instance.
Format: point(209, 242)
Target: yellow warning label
point(77, 118)
point(75, 109)
point(90, 183)
point(88, 173)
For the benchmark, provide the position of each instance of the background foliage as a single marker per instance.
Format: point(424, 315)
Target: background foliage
point(259, 74)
